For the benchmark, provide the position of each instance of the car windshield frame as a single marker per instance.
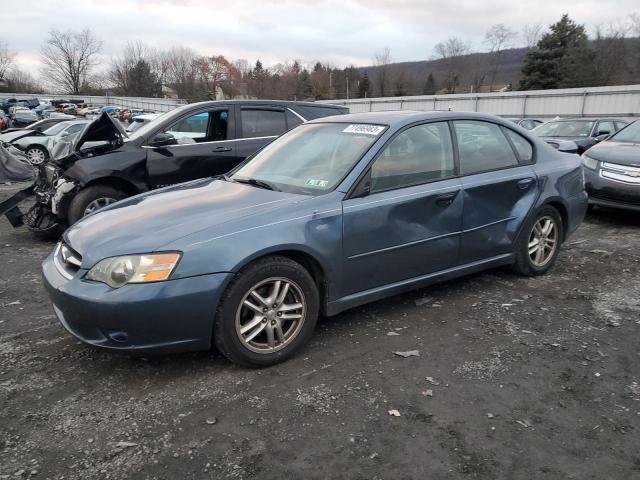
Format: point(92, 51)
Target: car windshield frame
point(544, 126)
point(250, 171)
point(633, 126)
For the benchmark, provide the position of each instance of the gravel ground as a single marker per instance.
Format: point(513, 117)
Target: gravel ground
point(516, 378)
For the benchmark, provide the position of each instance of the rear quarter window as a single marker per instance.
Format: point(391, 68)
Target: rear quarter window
point(522, 146)
point(311, 111)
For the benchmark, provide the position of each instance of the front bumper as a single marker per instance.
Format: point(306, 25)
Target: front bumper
point(163, 317)
point(616, 191)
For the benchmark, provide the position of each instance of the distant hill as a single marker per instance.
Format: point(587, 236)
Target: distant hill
point(413, 75)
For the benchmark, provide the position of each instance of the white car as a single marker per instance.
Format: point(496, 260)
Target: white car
point(141, 120)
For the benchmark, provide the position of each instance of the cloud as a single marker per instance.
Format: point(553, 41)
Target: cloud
point(340, 32)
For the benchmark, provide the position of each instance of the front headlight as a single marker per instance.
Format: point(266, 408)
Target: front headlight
point(118, 271)
point(589, 162)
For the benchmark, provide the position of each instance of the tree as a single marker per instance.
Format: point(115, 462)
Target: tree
point(68, 59)
point(382, 60)
point(559, 58)
point(531, 35)
point(498, 38)
point(138, 72)
point(429, 86)
point(364, 87)
point(450, 52)
point(214, 72)
point(6, 58)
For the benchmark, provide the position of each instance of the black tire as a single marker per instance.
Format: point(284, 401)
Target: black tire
point(225, 337)
point(524, 264)
point(590, 208)
point(43, 151)
point(84, 197)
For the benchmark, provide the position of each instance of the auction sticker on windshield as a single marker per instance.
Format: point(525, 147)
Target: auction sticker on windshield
point(364, 128)
point(317, 183)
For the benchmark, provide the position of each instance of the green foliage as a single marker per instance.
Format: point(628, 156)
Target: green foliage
point(429, 86)
point(364, 88)
point(561, 58)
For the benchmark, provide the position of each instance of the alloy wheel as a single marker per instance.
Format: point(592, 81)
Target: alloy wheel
point(97, 204)
point(270, 315)
point(543, 241)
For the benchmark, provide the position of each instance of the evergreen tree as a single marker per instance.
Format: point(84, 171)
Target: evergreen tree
point(364, 88)
point(429, 86)
point(560, 58)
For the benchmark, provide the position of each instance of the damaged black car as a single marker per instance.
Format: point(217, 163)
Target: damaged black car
point(102, 165)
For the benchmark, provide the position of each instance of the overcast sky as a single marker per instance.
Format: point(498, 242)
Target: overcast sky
point(340, 32)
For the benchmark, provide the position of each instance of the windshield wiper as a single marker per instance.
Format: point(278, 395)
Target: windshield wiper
point(257, 183)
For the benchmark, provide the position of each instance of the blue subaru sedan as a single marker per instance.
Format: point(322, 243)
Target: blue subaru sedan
point(336, 213)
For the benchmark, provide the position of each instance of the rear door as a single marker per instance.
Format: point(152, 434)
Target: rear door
point(499, 187)
point(206, 147)
point(409, 223)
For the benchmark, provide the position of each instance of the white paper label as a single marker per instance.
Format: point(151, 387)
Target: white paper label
point(363, 128)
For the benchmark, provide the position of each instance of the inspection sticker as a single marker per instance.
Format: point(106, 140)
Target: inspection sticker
point(364, 128)
point(317, 183)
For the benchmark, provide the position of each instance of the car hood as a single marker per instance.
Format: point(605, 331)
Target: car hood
point(9, 137)
point(147, 222)
point(622, 153)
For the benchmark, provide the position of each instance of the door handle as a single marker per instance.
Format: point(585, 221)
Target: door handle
point(221, 149)
point(446, 199)
point(525, 183)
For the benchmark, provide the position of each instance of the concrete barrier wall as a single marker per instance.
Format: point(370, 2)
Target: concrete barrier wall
point(144, 103)
point(623, 101)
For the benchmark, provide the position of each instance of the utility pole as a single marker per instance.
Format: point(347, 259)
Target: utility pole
point(347, 86)
point(330, 89)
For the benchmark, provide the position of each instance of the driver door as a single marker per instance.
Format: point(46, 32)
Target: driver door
point(205, 146)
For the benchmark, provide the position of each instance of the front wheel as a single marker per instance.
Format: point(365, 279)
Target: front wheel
point(538, 246)
point(267, 313)
point(92, 199)
point(36, 155)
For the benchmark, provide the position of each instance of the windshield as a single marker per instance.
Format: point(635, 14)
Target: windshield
point(57, 128)
point(573, 128)
point(631, 133)
point(143, 130)
point(311, 159)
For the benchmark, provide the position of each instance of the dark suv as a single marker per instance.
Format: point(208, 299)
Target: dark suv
point(193, 141)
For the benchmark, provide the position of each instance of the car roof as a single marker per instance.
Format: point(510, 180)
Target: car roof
point(397, 118)
point(270, 102)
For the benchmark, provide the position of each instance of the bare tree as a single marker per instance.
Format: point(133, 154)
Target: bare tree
point(215, 71)
point(608, 46)
point(181, 72)
point(451, 52)
point(498, 39)
point(382, 60)
point(68, 59)
point(634, 24)
point(531, 35)
point(6, 58)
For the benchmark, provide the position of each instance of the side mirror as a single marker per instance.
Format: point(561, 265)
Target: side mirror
point(602, 136)
point(163, 140)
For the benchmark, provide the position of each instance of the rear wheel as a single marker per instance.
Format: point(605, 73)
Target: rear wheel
point(92, 199)
point(539, 244)
point(267, 313)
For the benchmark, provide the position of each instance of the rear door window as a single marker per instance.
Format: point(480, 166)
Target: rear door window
point(482, 147)
point(522, 146)
point(262, 122)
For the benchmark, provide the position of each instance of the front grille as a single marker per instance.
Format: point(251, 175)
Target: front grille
point(620, 173)
point(67, 260)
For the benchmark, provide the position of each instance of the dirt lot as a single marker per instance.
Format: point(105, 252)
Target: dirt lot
point(530, 378)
